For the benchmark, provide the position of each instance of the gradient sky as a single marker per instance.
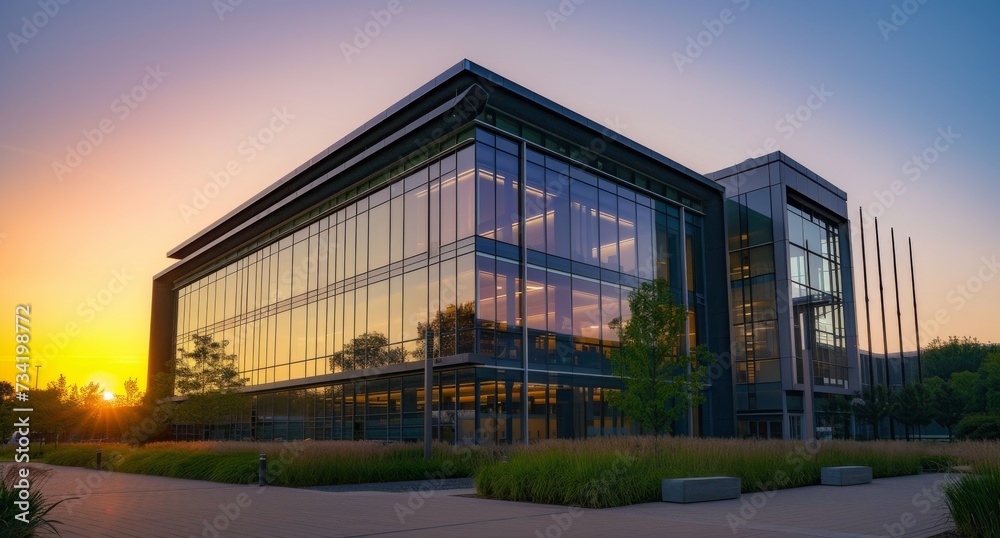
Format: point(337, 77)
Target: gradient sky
point(81, 245)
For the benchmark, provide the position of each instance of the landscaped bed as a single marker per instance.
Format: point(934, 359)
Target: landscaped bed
point(594, 473)
point(608, 472)
point(295, 463)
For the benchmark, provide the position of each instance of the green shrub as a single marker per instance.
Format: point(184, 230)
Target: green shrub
point(979, 428)
point(37, 519)
point(974, 503)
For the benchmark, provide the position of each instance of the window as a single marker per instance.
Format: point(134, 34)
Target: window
point(560, 303)
point(609, 230)
point(535, 299)
point(466, 193)
point(557, 213)
point(586, 309)
point(534, 207)
point(627, 218)
point(507, 197)
point(416, 222)
point(449, 207)
point(486, 191)
point(584, 222)
point(378, 236)
point(414, 303)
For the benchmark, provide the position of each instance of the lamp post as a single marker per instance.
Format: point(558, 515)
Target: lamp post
point(428, 388)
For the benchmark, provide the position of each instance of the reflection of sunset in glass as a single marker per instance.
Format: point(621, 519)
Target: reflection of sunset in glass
point(120, 140)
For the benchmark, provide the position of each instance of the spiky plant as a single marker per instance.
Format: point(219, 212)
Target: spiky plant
point(14, 523)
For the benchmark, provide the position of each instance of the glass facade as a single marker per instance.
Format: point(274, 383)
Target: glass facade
point(786, 284)
point(488, 243)
point(756, 361)
point(816, 288)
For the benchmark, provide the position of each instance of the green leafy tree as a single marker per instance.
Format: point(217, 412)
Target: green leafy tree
point(946, 404)
point(872, 406)
point(971, 388)
point(914, 408)
point(990, 371)
point(943, 358)
point(370, 350)
point(659, 382)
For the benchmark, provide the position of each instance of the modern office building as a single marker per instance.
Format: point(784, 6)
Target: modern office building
point(515, 230)
point(793, 321)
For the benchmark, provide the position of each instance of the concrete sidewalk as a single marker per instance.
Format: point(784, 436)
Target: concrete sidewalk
point(116, 504)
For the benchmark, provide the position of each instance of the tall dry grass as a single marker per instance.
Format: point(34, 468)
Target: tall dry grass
point(606, 472)
point(295, 463)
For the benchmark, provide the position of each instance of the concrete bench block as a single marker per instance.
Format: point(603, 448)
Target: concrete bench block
point(845, 476)
point(696, 490)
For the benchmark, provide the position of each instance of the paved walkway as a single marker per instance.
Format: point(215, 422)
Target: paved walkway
point(116, 504)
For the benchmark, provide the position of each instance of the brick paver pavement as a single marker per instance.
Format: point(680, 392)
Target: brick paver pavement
point(126, 505)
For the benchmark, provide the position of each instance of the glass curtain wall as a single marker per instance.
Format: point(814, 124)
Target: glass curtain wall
point(356, 289)
point(752, 285)
point(475, 244)
point(814, 261)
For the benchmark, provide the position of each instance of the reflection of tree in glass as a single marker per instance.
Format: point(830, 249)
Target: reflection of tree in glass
point(370, 350)
point(207, 368)
point(444, 325)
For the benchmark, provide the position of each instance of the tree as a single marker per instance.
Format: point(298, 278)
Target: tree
point(913, 406)
point(659, 382)
point(132, 397)
point(947, 406)
point(971, 389)
point(942, 358)
point(872, 406)
point(991, 382)
point(370, 350)
point(207, 368)
point(59, 387)
point(211, 380)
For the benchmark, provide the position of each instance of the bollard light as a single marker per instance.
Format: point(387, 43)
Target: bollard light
point(98, 458)
point(262, 473)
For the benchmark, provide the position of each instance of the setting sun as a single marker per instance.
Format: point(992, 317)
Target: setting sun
point(108, 396)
